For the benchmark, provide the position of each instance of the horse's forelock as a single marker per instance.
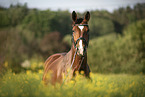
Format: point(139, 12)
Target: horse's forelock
point(79, 20)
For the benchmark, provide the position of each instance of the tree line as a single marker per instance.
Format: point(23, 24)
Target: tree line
point(32, 33)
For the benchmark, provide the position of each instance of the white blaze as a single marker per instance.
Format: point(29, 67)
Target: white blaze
point(81, 49)
point(81, 27)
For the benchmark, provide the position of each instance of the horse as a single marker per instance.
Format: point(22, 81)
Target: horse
point(75, 59)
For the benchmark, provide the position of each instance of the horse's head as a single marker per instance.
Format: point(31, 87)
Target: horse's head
point(80, 35)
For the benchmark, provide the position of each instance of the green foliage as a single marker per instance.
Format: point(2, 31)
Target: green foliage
point(129, 15)
point(100, 25)
point(26, 33)
point(119, 54)
point(38, 22)
point(42, 22)
point(13, 16)
point(137, 33)
point(61, 22)
point(5, 21)
point(67, 39)
point(30, 84)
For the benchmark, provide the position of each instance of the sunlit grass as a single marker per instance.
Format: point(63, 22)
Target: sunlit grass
point(30, 84)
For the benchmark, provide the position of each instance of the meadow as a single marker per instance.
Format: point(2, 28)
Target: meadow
point(115, 73)
point(116, 52)
point(30, 84)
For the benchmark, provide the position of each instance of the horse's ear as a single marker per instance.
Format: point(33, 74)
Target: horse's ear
point(87, 16)
point(74, 16)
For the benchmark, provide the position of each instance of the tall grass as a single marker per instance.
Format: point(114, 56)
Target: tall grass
point(30, 84)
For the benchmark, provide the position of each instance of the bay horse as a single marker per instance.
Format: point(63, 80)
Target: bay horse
point(75, 59)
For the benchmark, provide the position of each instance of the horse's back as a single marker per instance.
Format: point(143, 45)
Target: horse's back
point(53, 58)
point(52, 64)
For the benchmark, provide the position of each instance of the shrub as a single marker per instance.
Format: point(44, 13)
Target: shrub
point(111, 54)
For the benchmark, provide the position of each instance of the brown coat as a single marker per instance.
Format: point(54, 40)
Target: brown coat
point(58, 64)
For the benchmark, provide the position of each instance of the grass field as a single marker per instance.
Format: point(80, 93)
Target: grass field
point(111, 85)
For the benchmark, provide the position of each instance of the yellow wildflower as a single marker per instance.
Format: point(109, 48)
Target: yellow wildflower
point(26, 82)
point(37, 77)
point(14, 74)
point(40, 71)
point(82, 72)
point(6, 64)
point(28, 72)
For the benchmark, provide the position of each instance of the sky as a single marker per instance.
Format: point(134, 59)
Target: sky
point(77, 5)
